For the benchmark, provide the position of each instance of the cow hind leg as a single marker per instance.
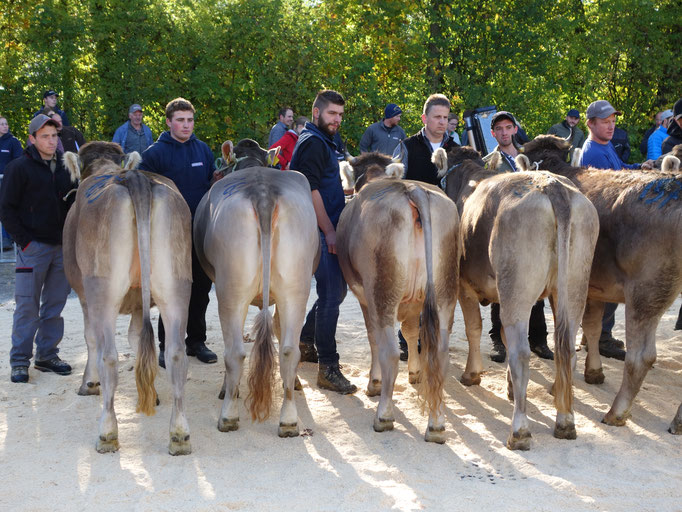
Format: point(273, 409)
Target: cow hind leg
point(410, 329)
point(232, 323)
point(594, 310)
point(676, 425)
point(90, 384)
point(374, 382)
point(519, 357)
point(389, 356)
point(640, 356)
point(108, 369)
point(472, 326)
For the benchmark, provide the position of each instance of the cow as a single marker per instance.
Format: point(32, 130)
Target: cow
point(256, 237)
point(119, 258)
point(637, 261)
point(398, 249)
point(525, 236)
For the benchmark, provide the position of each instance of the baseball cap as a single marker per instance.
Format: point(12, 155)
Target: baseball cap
point(392, 110)
point(498, 116)
point(39, 121)
point(573, 113)
point(49, 92)
point(666, 114)
point(601, 109)
point(134, 108)
point(677, 109)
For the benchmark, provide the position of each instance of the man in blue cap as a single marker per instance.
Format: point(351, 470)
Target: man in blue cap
point(568, 129)
point(383, 136)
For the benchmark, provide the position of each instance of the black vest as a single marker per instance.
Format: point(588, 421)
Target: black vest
point(419, 165)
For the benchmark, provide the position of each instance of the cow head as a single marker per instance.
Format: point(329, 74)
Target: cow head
point(99, 156)
point(247, 153)
point(546, 150)
point(460, 170)
point(676, 152)
point(356, 172)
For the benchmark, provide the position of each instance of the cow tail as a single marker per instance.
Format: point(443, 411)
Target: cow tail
point(431, 388)
point(140, 191)
point(563, 344)
point(262, 360)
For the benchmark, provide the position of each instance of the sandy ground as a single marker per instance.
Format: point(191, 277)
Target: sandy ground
point(48, 432)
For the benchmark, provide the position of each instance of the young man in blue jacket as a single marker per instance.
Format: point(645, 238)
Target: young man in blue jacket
point(315, 157)
point(188, 162)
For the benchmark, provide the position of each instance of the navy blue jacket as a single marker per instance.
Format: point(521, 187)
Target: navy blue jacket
point(10, 148)
point(189, 165)
point(315, 157)
point(32, 205)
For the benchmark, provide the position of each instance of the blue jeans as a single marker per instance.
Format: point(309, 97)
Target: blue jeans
point(608, 320)
point(331, 290)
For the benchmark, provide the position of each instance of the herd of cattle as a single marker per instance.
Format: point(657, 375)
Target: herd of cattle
point(408, 250)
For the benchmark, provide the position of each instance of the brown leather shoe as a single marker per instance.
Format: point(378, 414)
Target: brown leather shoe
point(330, 377)
point(308, 352)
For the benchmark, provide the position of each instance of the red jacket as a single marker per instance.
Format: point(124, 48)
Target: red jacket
point(286, 144)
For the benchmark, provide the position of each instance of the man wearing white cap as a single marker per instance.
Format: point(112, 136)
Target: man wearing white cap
point(674, 130)
point(133, 135)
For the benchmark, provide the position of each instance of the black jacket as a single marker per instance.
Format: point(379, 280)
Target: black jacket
point(32, 205)
point(419, 165)
point(674, 138)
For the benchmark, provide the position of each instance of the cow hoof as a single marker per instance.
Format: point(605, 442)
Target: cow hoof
point(374, 387)
point(89, 388)
point(565, 431)
point(383, 425)
point(519, 440)
point(615, 421)
point(594, 376)
point(228, 425)
point(179, 445)
point(108, 443)
point(676, 427)
point(287, 430)
point(510, 393)
point(297, 385)
point(415, 378)
point(435, 435)
point(471, 379)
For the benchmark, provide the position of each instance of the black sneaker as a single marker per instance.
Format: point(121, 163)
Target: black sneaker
point(612, 347)
point(615, 342)
point(201, 352)
point(54, 365)
point(678, 324)
point(330, 377)
point(499, 353)
point(542, 350)
point(19, 374)
point(308, 352)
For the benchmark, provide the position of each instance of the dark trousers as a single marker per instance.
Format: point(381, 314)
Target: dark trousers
point(331, 290)
point(198, 303)
point(608, 320)
point(308, 331)
point(537, 328)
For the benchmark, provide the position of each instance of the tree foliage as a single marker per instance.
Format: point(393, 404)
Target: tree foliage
point(238, 61)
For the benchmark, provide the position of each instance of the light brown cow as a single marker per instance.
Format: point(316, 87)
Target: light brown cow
point(638, 261)
point(525, 236)
point(398, 250)
point(256, 236)
point(118, 257)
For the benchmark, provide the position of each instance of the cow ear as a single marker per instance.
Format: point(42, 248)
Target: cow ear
point(670, 164)
point(395, 170)
point(228, 151)
point(132, 161)
point(73, 163)
point(440, 160)
point(273, 155)
point(522, 162)
point(347, 178)
point(495, 161)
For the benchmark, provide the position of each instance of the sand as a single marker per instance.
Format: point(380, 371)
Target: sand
point(48, 432)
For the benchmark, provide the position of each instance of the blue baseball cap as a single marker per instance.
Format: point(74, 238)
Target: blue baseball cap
point(392, 110)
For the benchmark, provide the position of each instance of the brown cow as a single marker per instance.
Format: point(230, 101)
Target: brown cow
point(398, 250)
point(525, 236)
point(638, 260)
point(118, 257)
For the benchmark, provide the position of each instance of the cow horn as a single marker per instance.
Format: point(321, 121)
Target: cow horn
point(398, 159)
point(73, 163)
point(350, 158)
point(577, 155)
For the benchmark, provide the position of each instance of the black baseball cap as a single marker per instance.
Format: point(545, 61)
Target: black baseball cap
point(573, 113)
point(49, 92)
point(498, 116)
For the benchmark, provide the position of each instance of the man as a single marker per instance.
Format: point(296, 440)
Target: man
point(417, 150)
point(286, 117)
point(568, 129)
point(674, 130)
point(315, 157)
point(288, 142)
point(504, 128)
point(656, 139)
point(50, 102)
point(621, 143)
point(598, 152)
point(383, 136)
point(71, 138)
point(33, 207)
point(188, 162)
point(133, 135)
point(10, 146)
point(643, 146)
